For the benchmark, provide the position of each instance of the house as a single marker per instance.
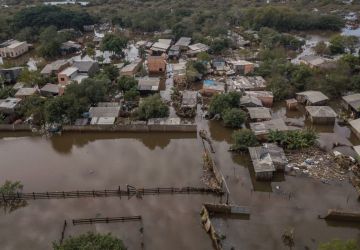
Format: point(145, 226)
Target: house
point(54, 68)
point(211, 87)
point(250, 101)
point(247, 83)
point(50, 90)
point(13, 48)
point(67, 75)
point(261, 129)
point(312, 98)
point(241, 66)
point(266, 97)
point(156, 65)
point(23, 93)
point(266, 160)
point(189, 99)
point(9, 105)
point(197, 48)
point(86, 67)
point(10, 75)
point(104, 115)
point(161, 46)
point(183, 43)
point(132, 68)
point(321, 114)
point(219, 65)
point(148, 84)
point(352, 103)
point(355, 127)
point(174, 52)
point(258, 114)
point(314, 61)
point(69, 47)
point(179, 72)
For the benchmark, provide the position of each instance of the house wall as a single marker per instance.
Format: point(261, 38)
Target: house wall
point(14, 52)
point(63, 79)
point(322, 120)
point(264, 176)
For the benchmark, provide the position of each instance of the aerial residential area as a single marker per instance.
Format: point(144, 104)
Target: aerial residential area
point(180, 125)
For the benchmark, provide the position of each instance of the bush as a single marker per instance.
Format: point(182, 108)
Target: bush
point(243, 139)
point(152, 107)
point(91, 241)
point(234, 118)
point(293, 139)
point(339, 245)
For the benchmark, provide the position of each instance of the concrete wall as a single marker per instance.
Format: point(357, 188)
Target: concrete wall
point(131, 128)
point(18, 127)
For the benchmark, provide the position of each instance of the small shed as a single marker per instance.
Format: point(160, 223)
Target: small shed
point(248, 83)
point(242, 66)
point(174, 52)
point(266, 97)
point(132, 68)
point(50, 90)
point(26, 92)
point(352, 103)
point(183, 42)
point(312, 98)
point(149, 84)
point(189, 99)
point(9, 105)
point(258, 114)
point(321, 114)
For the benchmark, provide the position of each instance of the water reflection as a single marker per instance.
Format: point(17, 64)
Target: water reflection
point(64, 143)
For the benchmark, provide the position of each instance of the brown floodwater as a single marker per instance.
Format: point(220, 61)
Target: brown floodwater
point(108, 160)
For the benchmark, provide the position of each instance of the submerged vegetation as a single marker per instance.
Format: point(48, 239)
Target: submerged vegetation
point(243, 139)
point(293, 139)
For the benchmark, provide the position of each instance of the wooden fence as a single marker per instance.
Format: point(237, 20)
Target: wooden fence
point(106, 220)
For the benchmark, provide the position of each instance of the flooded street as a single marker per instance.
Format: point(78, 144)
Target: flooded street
point(107, 160)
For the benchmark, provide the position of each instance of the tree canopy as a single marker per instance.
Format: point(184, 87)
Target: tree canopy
point(152, 107)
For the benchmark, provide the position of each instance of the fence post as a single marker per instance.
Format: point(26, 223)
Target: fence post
point(34, 195)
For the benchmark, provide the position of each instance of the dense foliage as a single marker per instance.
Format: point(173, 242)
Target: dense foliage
point(234, 118)
point(243, 139)
point(91, 241)
point(44, 16)
point(152, 107)
point(293, 139)
point(222, 102)
point(115, 43)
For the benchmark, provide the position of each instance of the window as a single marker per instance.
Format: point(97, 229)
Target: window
point(62, 79)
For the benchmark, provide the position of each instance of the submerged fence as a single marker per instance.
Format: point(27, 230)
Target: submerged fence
point(106, 220)
point(128, 192)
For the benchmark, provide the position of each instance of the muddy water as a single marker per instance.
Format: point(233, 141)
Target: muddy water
point(96, 161)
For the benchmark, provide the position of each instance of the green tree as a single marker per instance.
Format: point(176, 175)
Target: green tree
point(111, 72)
point(243, 139)
point(115, 43)
point(152, 107)
point(337, 44)
point(125, 83)
point(131, 95)
point(34, 106)
point(6, 92)
point(31, 78)
point(91, 241)
point(234, 117)
point(50, 42)
point(321, 48)
point(203, 57)
point(339, 245)
point(220, 103)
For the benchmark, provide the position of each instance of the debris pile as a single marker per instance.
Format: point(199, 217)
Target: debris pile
point(321, 165)
point(208, 176)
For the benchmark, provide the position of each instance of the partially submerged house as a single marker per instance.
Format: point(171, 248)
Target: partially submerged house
point(161, 46)
point(183, 43)
point(267, 159)
point(355, 127)
point(219, 66)
point(312, 98)
point(250, 101)
point(261, 129)
point(10, 75)
point(9, 105)
point(266, 97)
point(174, 52)
point(321, 114)
point(197, 48)
point(104, 115)
point(211, 87)
point(24, 93)
point(247, 83)
point(132, 68)
point(156, 65)
point(55, 67)
point(50, 90)
point(241, 66)
point(148, 84)
point(258, 114)
point(189, 99)
point(352, 103)
point(13, 48)
point(69, 47)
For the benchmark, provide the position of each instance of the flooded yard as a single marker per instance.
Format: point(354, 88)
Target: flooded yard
point(108, 160)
